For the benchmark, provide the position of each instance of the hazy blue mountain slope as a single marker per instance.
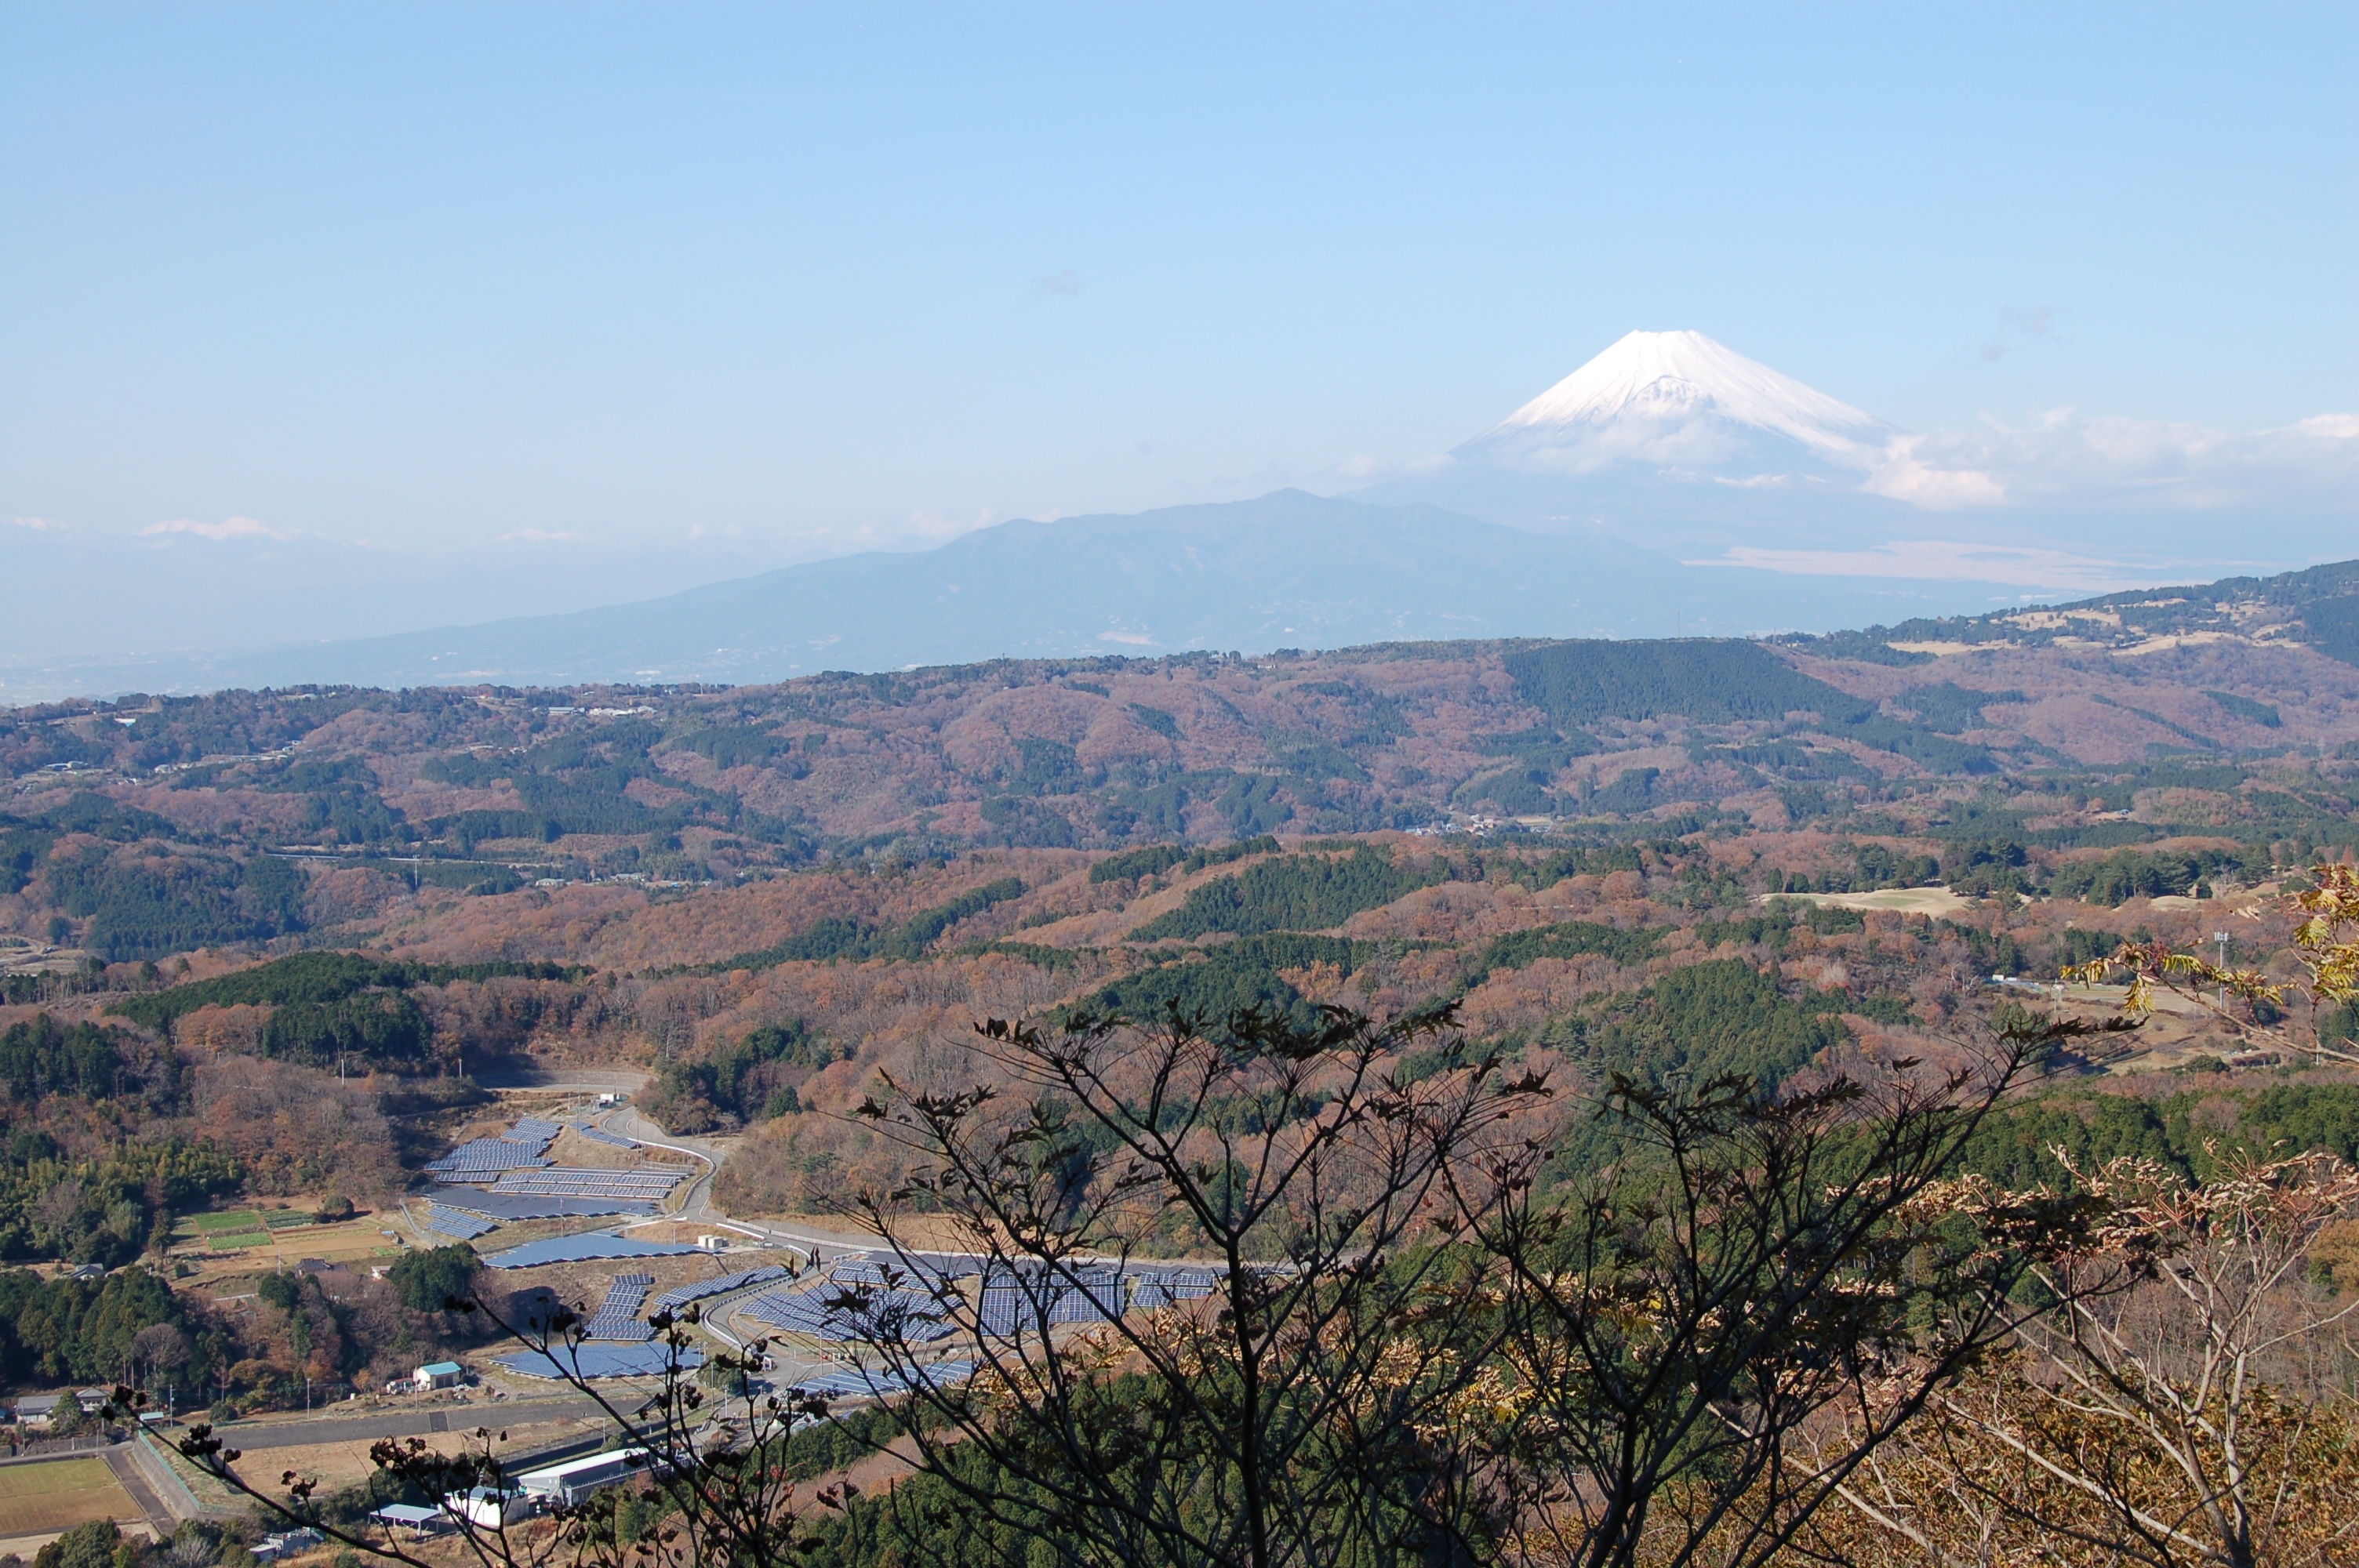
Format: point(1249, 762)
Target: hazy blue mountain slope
point(1288, 569)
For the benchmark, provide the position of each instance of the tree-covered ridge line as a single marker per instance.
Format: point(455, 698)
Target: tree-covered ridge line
point(1293, 892)
point(1178, 859)
point(317, 979)
point(835, 938)
point(1571, 939)
point(2316, 607)
point(692, 785)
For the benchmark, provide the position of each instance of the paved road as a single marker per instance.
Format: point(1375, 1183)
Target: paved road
point(373, 1424)
point(802, 1236)
point(159, 1517)
point(698, 1204)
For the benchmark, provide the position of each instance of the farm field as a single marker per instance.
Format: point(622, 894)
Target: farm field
point(355, 1243)
point(347, 1463)
point(59, 1494)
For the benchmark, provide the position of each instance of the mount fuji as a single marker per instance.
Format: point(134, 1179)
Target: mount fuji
point(1676, 442)
point(1673, 442)
point(1680, 403)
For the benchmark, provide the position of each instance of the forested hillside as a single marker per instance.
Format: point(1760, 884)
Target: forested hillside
point(254, 929)
point(261, 952)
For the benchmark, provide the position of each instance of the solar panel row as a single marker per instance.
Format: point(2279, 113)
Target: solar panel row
point(902, 1315)
point(599, 1361)
point(487, 1155)
point(583, 1249)
point(520, 1205)
point(572, 1181)
point(856, 1381)
point(617, 1317)
point(455, 1224)
point(600, 1135)
point(702, 1289)
point(930, 1270)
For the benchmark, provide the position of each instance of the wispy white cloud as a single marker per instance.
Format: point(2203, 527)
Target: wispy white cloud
point(2063, 457)
point(1942, 561)
point(228, 528)
point(2019, 325)
point(1065, 282)
point(1367, 467)
point(41, 524)
point(540, 537)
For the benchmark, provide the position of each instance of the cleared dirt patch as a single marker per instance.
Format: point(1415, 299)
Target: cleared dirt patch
point(1935, 901)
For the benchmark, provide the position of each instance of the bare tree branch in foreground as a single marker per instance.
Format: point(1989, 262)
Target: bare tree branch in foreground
point(1275, 1410)
point(1710, 1335)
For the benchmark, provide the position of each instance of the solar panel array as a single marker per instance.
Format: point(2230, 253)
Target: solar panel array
point(855, 1382)
point(584, 1248)
point(483, 1159)
point(599, 1360)
point(909, 1315)
point(1168, 1287)
point(720, 1287)
point(1006, 1306)
point(617, 1316)
point(600, 1135)
point(533, 1131)
point(456, 1223)
point(520, 1205)
point(893, 1272)
point(645, 1184)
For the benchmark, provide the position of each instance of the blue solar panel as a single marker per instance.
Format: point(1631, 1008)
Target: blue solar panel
point(857, 1381)
point(617, 1316)
point(522, 1205)
point(583, 1249)
point(819, 1315)
point(599, 1360)
point(454, 1223)
point(702, 1289)
point(644, 1184)
point(491, 1155)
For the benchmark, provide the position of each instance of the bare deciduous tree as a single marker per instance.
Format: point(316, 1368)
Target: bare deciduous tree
point(2168, 1424)
point(1274, 1410)
point(1713, 1333)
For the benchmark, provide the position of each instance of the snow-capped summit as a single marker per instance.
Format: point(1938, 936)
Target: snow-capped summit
point(1680, 400)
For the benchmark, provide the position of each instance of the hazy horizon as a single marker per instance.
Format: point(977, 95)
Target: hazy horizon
point(342, 323)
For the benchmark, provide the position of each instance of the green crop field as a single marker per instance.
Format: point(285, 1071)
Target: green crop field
point(284, 1218)
point(59, 1494)
point(230, 1219)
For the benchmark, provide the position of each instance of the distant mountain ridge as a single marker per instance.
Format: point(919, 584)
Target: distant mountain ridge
point(1288, 569)
point(2316, 607)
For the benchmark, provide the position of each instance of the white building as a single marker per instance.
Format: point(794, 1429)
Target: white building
point(578, 1478)
point(489, 1509)
point(439, 1375)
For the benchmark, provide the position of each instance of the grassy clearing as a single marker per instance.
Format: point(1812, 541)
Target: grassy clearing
point(236, 1219)
point(59, 1494)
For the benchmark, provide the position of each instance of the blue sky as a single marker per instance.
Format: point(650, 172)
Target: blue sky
point(771, 282)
